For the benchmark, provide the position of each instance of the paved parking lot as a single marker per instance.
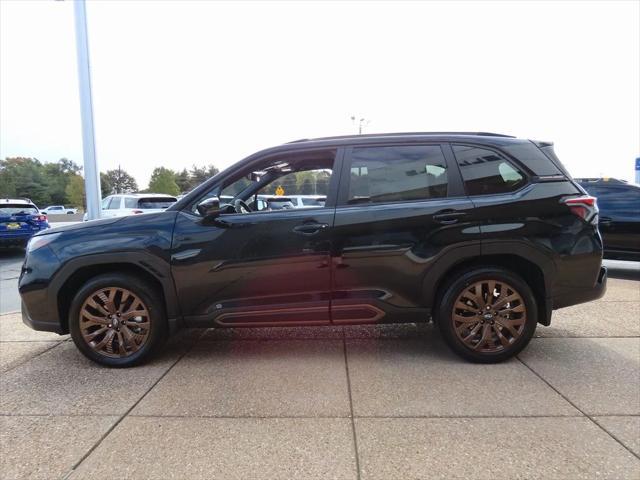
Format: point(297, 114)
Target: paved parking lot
point(355, 402)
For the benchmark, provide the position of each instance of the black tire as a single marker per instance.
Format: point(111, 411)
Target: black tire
point(445, 316)
point(150, 299)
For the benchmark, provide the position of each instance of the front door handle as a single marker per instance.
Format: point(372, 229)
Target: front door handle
point(309, 229)
point(448, 217)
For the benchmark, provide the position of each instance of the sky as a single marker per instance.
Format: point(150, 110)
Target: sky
point(197, 82)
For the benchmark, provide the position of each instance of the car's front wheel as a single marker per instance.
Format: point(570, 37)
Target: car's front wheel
point(117, 320)
point(487, 315)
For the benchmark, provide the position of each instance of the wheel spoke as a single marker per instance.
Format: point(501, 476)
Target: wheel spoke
point(491, 287)
point(486, 335)
point(95, 333)
point(463, 306)
point(105, 341)
point(92, 303)
point(504, 340)
point(460, 319)
point(475, 296)
point(92, 319)
point(503, 301)
point(510, 324)
point(517, 309)
point(472, 333)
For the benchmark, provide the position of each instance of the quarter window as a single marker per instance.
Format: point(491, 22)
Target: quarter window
point(485, 172)
point(393, 174)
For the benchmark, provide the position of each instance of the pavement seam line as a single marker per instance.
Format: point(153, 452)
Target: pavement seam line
point(590, 417)
point(353, 421)
point(58, 343)
point(117, 422)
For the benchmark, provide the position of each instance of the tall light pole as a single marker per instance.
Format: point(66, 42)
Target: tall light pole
point(362, 122)
point(91, 172)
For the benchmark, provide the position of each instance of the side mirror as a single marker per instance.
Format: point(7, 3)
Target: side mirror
point(209, 208)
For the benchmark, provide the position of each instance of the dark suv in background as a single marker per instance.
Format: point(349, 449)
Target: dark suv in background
point(485, 234)
point(619, 218)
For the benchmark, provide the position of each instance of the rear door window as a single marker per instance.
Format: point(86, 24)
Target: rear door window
point(398, 173)
point(114, 204)
point(486, 172)
point(130, 202)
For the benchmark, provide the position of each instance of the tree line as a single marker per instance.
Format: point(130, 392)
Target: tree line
point(61, 182)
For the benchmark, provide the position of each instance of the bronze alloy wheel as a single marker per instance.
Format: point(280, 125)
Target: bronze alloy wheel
point(114, 322)
point(489, 316)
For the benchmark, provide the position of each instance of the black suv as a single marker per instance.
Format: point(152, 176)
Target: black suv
point(485, 234)
point(619, 205)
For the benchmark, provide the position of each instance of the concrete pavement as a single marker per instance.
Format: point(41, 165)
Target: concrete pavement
point(374, 402)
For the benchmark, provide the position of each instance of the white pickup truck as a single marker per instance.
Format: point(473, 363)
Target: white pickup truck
point(58, 210)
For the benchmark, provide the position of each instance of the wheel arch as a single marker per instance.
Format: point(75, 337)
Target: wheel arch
point(532, 273)
point(77, 273)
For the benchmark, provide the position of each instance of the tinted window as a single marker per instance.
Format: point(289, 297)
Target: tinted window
point(392, 174)
point(485, 172)
point(156, 202)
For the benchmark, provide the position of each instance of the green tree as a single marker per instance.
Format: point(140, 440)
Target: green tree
point(163, 180)
point(75, 191)
point(200, 174)
point(24, 177)
point(106, 188)
point(57, 176)
point(121, 181)
point(183, 180)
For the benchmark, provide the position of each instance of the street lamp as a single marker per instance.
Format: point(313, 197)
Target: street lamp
point(362, 122)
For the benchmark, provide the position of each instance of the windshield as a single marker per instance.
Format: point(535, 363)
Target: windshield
point(17, 208)
point(156, 203)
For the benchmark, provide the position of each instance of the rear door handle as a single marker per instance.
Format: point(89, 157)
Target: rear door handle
point(309, 229)
point(448, 217)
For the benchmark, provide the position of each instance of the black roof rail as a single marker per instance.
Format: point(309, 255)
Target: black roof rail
point(402, 134)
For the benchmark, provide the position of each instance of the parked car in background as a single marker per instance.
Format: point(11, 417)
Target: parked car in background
point(484, 234)
point(134, 203)
point(308, 201)
point(59, 210)
point(20, 219)
point(273, 202)
point(619, 217)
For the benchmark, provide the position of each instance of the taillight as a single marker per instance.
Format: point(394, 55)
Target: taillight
point(41, 218)
point(585, 207)
point(137, 211)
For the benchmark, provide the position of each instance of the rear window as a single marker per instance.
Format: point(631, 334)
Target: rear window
point(17, 208)
point(393, 174)
point(486, 172)
point(156, 202)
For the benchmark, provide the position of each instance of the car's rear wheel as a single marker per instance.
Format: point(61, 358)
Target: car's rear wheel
point(117, 320)
point(487, 315)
